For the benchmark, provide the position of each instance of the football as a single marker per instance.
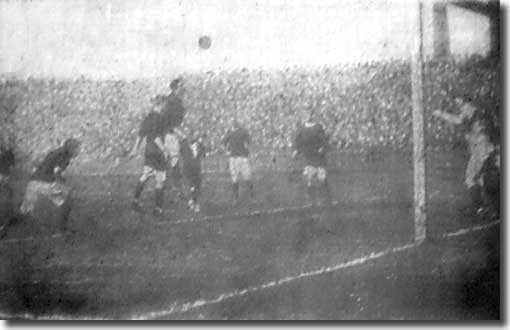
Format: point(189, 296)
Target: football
point(204, 42)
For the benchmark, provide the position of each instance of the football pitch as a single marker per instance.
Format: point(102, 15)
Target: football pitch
point(272, 258)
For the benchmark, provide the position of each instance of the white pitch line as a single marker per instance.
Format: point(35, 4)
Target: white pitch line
point(183, 221)
point(30, 238)
point(251, 213)
point(175, 308)
point(237, 214)
point(185, 307)
point(471, 229)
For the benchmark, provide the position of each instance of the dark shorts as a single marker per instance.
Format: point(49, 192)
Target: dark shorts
point(193, 175)
point(155, 158)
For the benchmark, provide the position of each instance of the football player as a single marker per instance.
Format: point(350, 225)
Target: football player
point(172, 116)
point(237, 142)
point(476, 125)
point(311, 142)
point(47, 180)
point(152, 132)
point(192, 153)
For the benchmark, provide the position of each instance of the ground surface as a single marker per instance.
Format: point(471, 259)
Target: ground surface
point(271, 258)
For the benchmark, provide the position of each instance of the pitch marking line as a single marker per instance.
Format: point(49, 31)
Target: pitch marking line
point(237, 214)
point(471, 229)
point(186, 220)
point(251, 213)
point(185, 307)
point(31, 238)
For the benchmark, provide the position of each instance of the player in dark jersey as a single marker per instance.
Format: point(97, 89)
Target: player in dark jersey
point(47, 180)
point(237, 142)
point(192, 154)
point(311, 142)
point(476, 125)
point(172, 116)
point(152, 132)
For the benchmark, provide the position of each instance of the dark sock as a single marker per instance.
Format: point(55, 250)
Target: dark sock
point(326, 190)
point(139, 189)
point(235, 190)
point(195, 192)
point(159, 197)
point(66, 211)
point(250, 188)
point(475, 193)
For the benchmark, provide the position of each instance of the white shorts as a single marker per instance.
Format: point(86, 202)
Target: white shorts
point(57, 193)
point(172, 146)
point(159, 176)
point(312, 172)
point(239, 168)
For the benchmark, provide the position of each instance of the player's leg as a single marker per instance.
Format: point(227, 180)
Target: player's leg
point(147, 173)
point(65, 211)
point(173, 148)
point(196, 187)
point(245, 170)
point(491, 185)
point(472, 181)
point(160, 177)
point(322, 177)
point(309, 173)
point(30, 197)
point(234, 173)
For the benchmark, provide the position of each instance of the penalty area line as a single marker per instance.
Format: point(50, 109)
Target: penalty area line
point(176, 308)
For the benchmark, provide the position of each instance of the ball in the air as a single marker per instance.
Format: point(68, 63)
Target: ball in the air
point(204, 42)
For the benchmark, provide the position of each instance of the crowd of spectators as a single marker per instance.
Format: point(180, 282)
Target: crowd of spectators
point(362, 106)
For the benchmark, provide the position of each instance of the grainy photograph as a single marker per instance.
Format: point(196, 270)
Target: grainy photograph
point(250, 160)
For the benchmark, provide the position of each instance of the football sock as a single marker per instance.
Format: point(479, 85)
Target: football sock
point(250, 187)
point(138, 189)
point(159, 197)
point(475, 193)
point(235, 190)
point(327, 190)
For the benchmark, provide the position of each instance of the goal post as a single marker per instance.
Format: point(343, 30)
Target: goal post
point(419, 182)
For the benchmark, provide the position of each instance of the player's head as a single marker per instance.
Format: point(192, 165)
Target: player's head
point(72, 146)
point(176, 86)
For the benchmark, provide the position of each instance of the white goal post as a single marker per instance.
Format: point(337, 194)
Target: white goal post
point(420, 195)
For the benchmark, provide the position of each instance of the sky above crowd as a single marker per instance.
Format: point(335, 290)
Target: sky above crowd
point(133, 38)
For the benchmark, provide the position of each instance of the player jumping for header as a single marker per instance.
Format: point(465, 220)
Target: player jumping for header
point(152, 132)
point(172, 116)
point(311, 142)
